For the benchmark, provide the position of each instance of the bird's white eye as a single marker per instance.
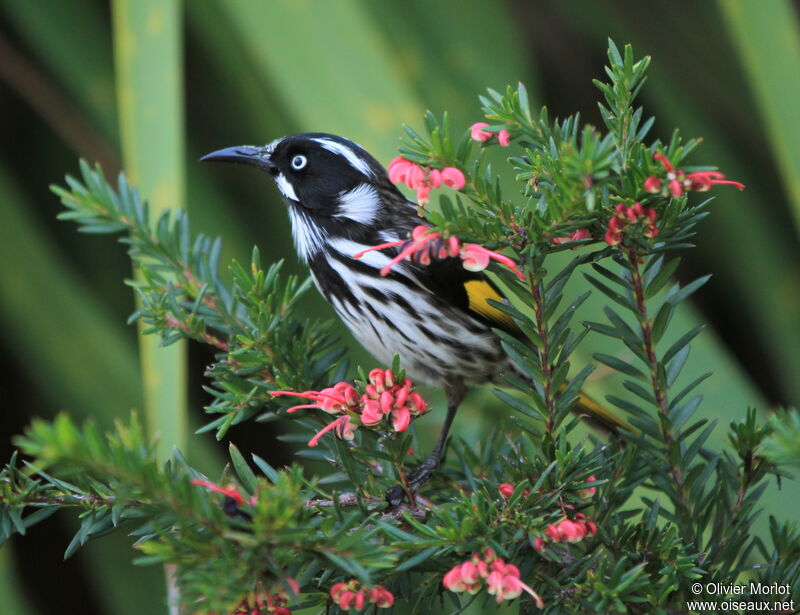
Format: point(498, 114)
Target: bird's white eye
point(299, 162)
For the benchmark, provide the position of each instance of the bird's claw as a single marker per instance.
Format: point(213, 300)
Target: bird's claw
point(415, 479)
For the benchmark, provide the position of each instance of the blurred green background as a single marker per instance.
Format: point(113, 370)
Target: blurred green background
point(151, 86)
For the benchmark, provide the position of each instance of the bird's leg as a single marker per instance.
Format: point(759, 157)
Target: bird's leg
point(422, 473)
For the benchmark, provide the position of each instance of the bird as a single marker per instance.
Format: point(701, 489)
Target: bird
point(436, 317)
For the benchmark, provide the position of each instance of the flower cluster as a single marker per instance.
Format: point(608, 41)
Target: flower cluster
point(384, 399)
point(626, 216)
point(426, 244)
point(501, 579)
point(478, 133)
point(677, 182)
point(566, 530)
point(272, 602)
point(353, 596)
point(424, 179)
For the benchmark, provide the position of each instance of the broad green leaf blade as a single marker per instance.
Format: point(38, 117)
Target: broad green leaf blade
point(767, 37)
point(310, 72)
point(147, 53)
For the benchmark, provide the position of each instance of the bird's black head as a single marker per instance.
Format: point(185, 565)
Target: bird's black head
point(334, 188)
point(326, 175)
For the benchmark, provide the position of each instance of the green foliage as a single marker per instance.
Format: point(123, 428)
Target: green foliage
point(262, 345)
point(666, 508)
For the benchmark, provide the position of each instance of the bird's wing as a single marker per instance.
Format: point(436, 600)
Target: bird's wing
point(472, 292)
point(469, 291)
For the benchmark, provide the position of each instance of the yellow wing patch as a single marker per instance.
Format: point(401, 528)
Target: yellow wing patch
point(479, 292)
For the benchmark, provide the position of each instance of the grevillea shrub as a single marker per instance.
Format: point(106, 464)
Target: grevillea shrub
point(533, 513)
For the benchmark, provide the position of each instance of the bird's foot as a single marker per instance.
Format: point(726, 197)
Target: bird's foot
point(414, 480)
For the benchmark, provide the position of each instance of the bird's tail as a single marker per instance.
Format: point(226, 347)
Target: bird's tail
point(597, 415)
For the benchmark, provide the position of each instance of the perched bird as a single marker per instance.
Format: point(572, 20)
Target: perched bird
point(436, 317)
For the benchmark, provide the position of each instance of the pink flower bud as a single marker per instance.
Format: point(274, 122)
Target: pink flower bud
point(345, 430)
point(506, 490)
point(588, 491)
point(377, 377)
point(330, 400)
point(346, 598)
point(453, 581)
point(423, 194)
point(612, 238)
point(337, 589)
point(386, 402)
point(478, 134)
point(371, 414)
point(381, 597)
point(453, 178)
point(675, 188)
point(401, 396)
point(503, 138)
point(470, 573)
point(652, 185)
point(538, 544)
point(401, 418)
point(475, 258)
point(435, 178)
point(415, 176)
point(453, 246)
point(581, 233)
point(416, 404)
point(398, 169)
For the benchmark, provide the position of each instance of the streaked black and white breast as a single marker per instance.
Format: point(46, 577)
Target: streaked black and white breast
point(341, 202)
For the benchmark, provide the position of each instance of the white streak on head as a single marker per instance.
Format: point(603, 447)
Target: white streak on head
point(355, 161)
point(285, 187)
point(308, 236)
point(360, 204)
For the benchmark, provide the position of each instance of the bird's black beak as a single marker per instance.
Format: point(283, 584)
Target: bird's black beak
point(243, 154)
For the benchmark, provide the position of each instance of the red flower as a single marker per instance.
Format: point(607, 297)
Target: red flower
point(229, 491)
point(383, 397)
point(352, 595)
point(506, 490)
point(423, 179)
point(679, 182)
point(652, 185)
point(501, 579)
point(567, 530)
point(627, 216)
point(476, 258)
point(422, 248)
